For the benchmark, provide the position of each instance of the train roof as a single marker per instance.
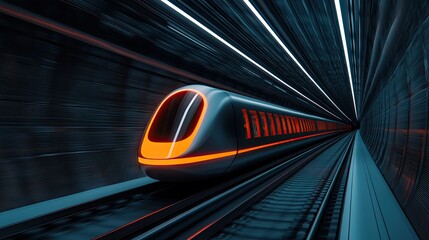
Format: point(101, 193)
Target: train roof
point(280, 108)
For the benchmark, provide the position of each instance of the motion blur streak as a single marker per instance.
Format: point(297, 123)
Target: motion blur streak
point(138, 219)
point(181, 12)
point(201, 230)
point(87, 38)
point(346, 53)
point(258, 15)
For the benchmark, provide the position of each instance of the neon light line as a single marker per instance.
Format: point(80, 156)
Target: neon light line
point(200, 25)
point(262, 20)
point(214, 156)
point(346, 52)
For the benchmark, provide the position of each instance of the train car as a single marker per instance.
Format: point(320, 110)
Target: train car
point(200, 132)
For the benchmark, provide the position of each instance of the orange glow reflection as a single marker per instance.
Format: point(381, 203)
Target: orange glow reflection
point(187, 160)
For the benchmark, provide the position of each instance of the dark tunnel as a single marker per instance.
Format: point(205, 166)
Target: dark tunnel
point(80, 80)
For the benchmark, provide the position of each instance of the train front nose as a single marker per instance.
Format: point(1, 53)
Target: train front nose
point(174, 126)
point(177, 145)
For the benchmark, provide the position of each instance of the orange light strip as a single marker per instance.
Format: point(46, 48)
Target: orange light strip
point(187, 160)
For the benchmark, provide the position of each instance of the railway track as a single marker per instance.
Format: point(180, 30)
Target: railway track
point(203, 220)
point(294, 210)
point(289, 203)
point(162, 210)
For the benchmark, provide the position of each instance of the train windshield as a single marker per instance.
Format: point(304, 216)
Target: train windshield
point(177, 117)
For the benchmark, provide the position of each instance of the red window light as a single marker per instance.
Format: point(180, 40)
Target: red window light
point(264, 124)
point(255, 124)
point(290, 125)
point(272, 127)
point(279, 127)
point(295, 121)
point(246, 123)
point(306, 125)
point(283, 124)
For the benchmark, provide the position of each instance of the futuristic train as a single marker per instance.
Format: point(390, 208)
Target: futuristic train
point(202, 132)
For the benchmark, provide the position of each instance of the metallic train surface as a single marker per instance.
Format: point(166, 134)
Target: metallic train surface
point(200, 132)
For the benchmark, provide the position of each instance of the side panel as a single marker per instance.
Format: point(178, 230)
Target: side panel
point(260, 157)
point(218, 131)
point(265, 131)
point(260, 124)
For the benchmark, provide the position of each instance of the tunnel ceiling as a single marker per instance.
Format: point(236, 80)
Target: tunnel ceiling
point(310, 30)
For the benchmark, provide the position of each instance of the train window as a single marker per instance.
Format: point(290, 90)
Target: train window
point(295, 121)
point(272, 127)
point(304, 122)
point(255, 124)
point(290, 125)
point(304, 126)
point(279, 127)
point(264, 124)
point(177, 117)
point(301, 124)
point(284, 124)
point(246, 123)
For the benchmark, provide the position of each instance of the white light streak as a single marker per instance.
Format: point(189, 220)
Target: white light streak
point(279, 41)
point(200, 25)
point(346, 53)
point(181, 123)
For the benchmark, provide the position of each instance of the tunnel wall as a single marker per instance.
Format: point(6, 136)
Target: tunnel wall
point(72, 115)
point(395, 123)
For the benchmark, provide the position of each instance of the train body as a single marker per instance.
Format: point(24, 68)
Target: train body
point(200, 132)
